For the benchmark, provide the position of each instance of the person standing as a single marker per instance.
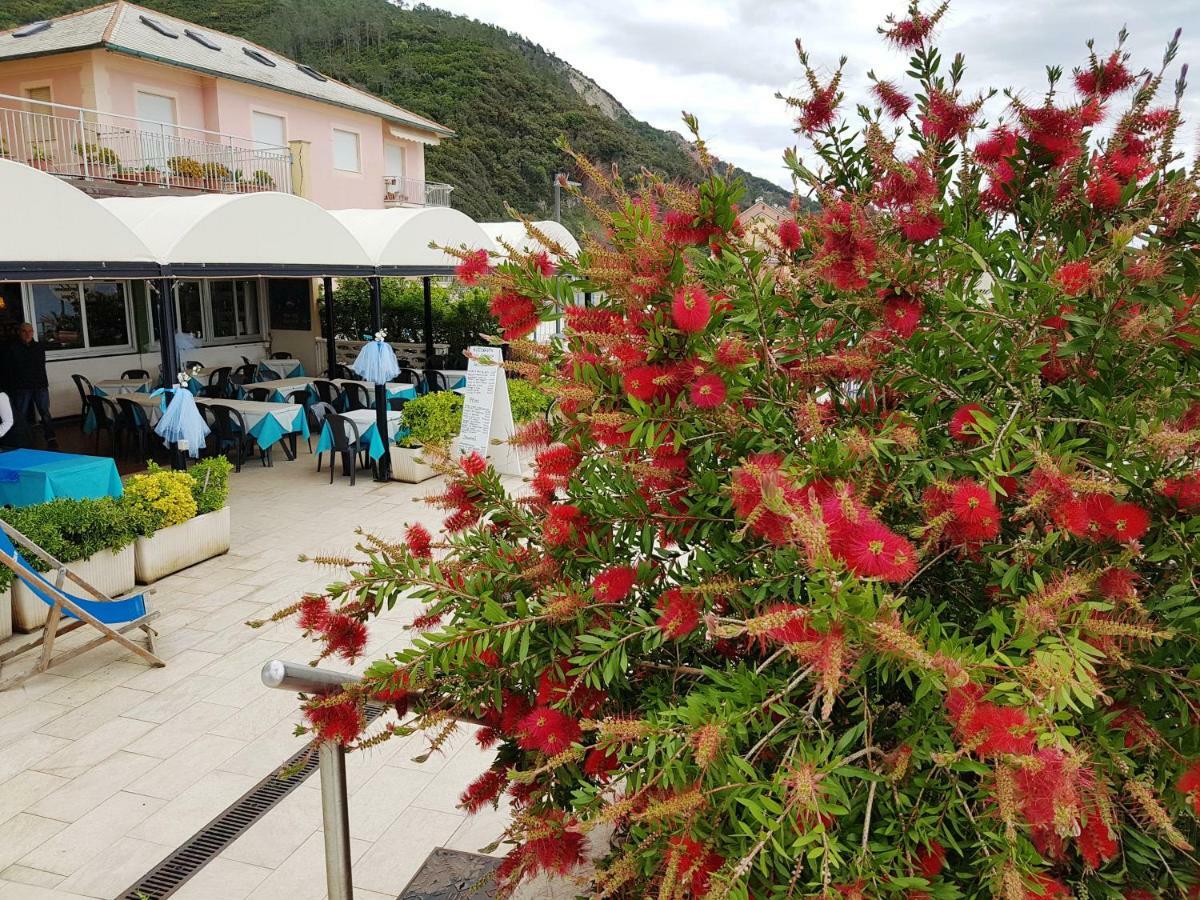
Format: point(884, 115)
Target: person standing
point(28, 383)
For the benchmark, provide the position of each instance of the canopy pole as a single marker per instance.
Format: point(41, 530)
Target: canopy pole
point(330, 341)
point(166, 331)
point(384, 465)
point(427, 286)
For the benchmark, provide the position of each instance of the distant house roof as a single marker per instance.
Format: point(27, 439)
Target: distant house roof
point(125, 28)
point(760, 210)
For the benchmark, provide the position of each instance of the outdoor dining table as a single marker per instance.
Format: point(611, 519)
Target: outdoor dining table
point(368, 431)
point(108, 386)
point(455, 378)
point(280, 368)
point(39, 476)
point(269, 422)
point(282, 387)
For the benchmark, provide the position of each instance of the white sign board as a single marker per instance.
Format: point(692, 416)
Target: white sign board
point(487, 413)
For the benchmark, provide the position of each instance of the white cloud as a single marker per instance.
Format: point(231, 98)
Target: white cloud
point(723, 60)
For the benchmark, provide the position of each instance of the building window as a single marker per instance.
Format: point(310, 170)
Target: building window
point(211, 312)
point(269, 131)
point(234, 308)
point(12, 310)
point(345, 151)
point(73, 315)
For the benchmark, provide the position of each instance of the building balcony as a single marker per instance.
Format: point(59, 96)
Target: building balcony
point(414, 192)
point(109, 154)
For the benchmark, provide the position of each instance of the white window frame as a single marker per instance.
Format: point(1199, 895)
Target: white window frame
point(86, 350)
point(274, 114)
point(206, 316)
point(357, 151)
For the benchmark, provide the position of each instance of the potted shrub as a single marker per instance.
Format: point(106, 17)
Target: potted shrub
point(263, 180)
point(100, 161)
point(150, 175)
point(182, 516)
point(38, 157)
point(93, 537)
point(126, 176)
point(215, 175)
point(432, 421)
point(185, 172)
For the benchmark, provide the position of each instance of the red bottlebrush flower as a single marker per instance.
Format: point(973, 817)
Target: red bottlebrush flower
point(732, 352)
point(564, 523)
point(419, 541)
point(847, 253)
point(549, 730)
point(1109, 78)
point(473, 464)
point(1000, 144)
point(556, 848)
point(1055, 133)
point(533, 435)
point(557, 460)
point(1075, 277)
point(614, 584)
point(789, 234)
point(919, 227)
point(474, 267)
point(1047, 888)
point(902, 314)
point(517, 315)
point(893, 100)
point(1184, 491)
point(910, 185)
point(963, 423)
point(1103, 191)
point(976, 516)
point(693, 863)
point(543, 265)
point(314, 614)
point(1124, 522)
point(793, 628)
point(872, 550)
point(344, 636)
point(762, 495)
point(1097, 842)
point(945, 118)
point(930, 860)
point(691, 309)
point(600, 763)
point(911, 33)
point(1189, 783)
point(340, 722)
point(642, 383)
point(985, 727)
point(707, 391)
point(679, 614)
point(484, 790)
point(819, 110)
point(1117, 583)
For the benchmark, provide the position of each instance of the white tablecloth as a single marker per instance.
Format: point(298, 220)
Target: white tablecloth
point(281, 367)
point(122, 385)
point(254, 412)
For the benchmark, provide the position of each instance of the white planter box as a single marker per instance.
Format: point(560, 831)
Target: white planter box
point(182, 545)
point(407, 465)
point(6, 613)
point(110, 573)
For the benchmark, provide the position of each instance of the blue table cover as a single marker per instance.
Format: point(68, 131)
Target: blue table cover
point(38, 476)
point(268, 430)
point(368, 436)
point(266, 373)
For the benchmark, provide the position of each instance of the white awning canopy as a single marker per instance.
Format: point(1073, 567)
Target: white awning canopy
point(397, 240)
point(515, 235)
point(51, 230)
point(219, 235)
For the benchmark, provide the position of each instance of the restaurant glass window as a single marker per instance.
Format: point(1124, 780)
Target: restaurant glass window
point(189, 307)
point(222, 297)
point(248, 308)
point(12, 310)
point(58, 315)
point(107, 314)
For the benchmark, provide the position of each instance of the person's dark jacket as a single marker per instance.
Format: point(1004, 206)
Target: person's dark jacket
point(26, 369)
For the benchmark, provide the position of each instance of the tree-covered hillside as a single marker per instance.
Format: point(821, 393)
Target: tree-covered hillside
point(507, 99)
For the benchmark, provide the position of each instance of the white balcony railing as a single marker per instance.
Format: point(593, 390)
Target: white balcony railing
point(414, 192)
point(73, 142)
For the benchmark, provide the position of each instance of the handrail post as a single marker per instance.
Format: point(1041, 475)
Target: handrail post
point(83, 147)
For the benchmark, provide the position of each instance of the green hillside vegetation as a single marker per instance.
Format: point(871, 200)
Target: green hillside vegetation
point(507, 98)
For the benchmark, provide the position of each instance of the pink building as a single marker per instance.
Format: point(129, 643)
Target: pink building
point(124, 101)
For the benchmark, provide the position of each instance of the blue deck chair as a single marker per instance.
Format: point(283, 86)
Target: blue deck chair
point(111, 617)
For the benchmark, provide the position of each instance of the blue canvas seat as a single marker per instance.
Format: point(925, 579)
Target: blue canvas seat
point(111, 617)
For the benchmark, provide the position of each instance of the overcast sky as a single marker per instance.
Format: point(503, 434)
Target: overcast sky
point(724, 60)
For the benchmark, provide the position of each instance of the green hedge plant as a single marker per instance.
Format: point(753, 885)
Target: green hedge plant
point(433, 419)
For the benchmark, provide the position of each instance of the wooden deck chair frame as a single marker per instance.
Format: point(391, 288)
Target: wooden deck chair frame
point(62, 602)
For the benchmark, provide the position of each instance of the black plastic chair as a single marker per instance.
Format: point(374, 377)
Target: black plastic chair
point(135, 421)
point(105, 417)
point(436, 380)
point(134, 374)
point(231, 434)
point(281, 356)
point(316, 414)
point(86, 389)
point(347, 444)
point(356, 396)
point(340, 371)
point(246, 361)
point(415, 378)
point(244, 374)
point(396, 404)
point(218, 383)
point(258, 394)
point(327, 392)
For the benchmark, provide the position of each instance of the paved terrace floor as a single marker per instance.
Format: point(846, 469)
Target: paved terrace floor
point(106, 766)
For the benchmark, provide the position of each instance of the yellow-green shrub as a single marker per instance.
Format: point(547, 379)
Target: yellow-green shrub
point(162, 497)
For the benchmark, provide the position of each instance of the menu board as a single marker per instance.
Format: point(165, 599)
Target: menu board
point(487, 413)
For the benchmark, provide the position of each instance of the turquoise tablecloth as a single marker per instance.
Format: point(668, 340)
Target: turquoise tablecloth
point(38, 476)
point(368, 435)
point(271, 370)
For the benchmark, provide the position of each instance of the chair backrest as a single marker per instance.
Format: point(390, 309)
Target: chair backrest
point(135, 417)
point(227, 423)
point(104, 410)
point(260, 395)
point(299, 396)
point(436, 380)
point(344, 432)
point(281, 356)
point(396, 404)
point(328, 391)
point(246, 361)
point(219, 376)
point(317, 413)
point(340, 371)
point(134, 374)
point(413, 377)
point(245, 374)
point(83, 386)
point(357, 396)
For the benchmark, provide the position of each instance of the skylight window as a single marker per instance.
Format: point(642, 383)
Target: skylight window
point(311, 72)
point(32, 28)
point(202, 39)
point(258, 57)
point(158, 26)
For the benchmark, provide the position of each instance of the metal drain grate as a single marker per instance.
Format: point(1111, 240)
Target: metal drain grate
point(207, 843)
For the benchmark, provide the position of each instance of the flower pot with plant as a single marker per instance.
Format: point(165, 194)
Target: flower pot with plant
point(98, 161)
point(93, 537)
point(432, 421)
point(216, 176)
point(185, 172)
point(39, 157)
point(182, 516)
point(263, 181)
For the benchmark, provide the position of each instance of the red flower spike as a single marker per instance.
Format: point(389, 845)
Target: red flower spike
point(1189, 784)
point(691, 309)
point(1124, 522)
point(550, 731)
point(679, 614)
point(314, 614)
point(963, 423)
point(613, 585)
point(484, 790)
point(930, 861)
point(473, 464)
point(789, 234)
point(340, 722)
point(707, 392)
point(872, 550)
point(345, 637)
point(893, 100)
point(473, 268)
point(1075, 277)
point(419, 541)
point(902, 315)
